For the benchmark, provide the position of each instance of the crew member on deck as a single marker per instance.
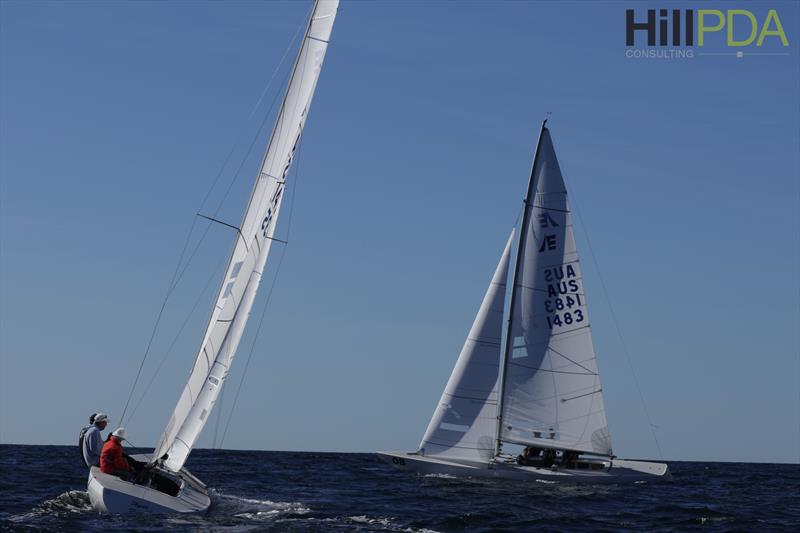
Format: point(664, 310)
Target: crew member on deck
point(82, 434)
point(112, 459)
point(93, 440)
point(569, 458)
point(549, 457)
point(530, 455)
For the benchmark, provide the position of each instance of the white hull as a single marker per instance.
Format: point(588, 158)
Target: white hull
point(111, 494)
point(614, 471)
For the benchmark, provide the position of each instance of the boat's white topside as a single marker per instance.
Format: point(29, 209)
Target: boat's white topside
point(112, 494)
point(614, 470)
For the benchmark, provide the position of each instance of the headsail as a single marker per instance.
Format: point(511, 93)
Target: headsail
point(253, 243)
point(465, 421)
point(552, 395)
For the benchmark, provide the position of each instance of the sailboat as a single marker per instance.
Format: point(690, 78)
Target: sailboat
point(169, 487)
point(532, 379)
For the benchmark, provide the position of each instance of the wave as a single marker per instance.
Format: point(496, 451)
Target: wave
point(354, 523)
point(440, 476)
point(386, 524)
point(69, 503)
point(285, 513)
point(253, 509)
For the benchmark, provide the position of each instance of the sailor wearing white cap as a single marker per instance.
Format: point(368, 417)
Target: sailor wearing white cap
point(93, 440)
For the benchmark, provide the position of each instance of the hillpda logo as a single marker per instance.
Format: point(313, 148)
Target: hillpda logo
point(685, 33)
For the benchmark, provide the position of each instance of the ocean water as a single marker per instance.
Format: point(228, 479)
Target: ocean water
point(42, 488)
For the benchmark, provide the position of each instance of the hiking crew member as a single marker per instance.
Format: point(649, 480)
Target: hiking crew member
point(92, 440)
point(82, 434)
point(112, 459)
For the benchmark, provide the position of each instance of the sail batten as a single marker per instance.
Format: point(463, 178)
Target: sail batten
point(250, 251)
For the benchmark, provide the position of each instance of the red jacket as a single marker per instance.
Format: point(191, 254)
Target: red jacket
point(111, 459)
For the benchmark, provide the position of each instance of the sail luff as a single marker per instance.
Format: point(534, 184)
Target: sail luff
point(251, 248)
point(517, 265)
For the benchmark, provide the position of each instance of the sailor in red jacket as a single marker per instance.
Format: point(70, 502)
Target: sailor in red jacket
point(112, 460)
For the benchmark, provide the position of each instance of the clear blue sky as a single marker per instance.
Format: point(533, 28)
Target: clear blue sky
point(116, 117)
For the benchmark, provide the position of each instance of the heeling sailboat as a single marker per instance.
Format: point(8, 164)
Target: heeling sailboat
point(169, 487)
point(533, 380)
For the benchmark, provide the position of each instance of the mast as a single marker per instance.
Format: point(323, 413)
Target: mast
point(523, 234)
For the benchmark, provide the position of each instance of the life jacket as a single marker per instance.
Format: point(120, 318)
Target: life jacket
point(81, 438)
point(111, 458)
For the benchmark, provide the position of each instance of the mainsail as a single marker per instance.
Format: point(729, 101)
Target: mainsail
point(253, 243)
point(551, 392)
point(465, 420)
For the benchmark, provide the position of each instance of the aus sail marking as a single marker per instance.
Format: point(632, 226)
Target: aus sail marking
point(273, 208)
point(563, 293)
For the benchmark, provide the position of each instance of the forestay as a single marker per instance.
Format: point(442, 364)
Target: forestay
point(552, 395)
point(253, 243)
point(465, 420)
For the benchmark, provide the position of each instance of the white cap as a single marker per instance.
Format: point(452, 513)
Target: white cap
point(120, 432)
point(100, 417)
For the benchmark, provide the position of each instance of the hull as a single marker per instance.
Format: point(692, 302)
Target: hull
point(612, 470)
point(111, 494)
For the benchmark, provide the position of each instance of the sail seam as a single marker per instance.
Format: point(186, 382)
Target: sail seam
point(534, 206)
point(268, 175)
point(556, 371)
point(570, 331)
point(467, 398)
point(443, 445)
point(487, 343)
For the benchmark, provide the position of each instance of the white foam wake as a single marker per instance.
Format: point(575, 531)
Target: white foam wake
point(67, 503)
point(254, 509)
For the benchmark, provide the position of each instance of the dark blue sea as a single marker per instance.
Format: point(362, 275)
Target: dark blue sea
point(42, 488)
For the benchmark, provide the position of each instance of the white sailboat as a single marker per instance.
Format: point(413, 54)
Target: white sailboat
point(532, 381)
point(170, 487)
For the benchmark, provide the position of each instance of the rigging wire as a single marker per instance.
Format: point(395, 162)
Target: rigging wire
point(269, 294)
point(617, 327)
point(219, 416)
point(211, 278)
point(178, 273)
